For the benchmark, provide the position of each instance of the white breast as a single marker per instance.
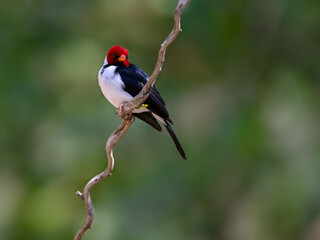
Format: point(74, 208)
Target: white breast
point(112, 87)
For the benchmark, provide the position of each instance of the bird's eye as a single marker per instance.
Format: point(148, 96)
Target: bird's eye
point(113, 54)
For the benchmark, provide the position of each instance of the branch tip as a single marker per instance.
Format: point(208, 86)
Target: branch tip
point(80, 195)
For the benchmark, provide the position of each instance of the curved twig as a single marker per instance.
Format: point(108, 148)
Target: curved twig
point(125, 114)
point(143, 95)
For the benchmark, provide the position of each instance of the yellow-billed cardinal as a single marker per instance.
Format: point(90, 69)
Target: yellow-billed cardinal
point(121, 80)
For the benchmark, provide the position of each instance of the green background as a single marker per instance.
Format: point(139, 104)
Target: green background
point(241, 84)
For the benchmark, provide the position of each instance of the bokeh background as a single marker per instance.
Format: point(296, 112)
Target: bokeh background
point(241, 84)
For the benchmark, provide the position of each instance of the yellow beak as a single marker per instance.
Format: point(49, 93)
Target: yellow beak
point(122, 58)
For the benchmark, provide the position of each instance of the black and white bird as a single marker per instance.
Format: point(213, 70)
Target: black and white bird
point(121, 80)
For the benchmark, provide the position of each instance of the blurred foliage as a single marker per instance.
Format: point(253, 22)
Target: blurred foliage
point(241, 83)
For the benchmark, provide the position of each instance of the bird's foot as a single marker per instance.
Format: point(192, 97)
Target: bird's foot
point(130, 117)
point(119, 110)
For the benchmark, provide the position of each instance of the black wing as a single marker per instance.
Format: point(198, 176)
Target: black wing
point(134, 79)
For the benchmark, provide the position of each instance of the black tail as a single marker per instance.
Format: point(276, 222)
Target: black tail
point(149, 118)
point(175, 139)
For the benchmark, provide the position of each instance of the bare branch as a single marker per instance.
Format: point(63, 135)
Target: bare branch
point(112, 141)
point(143, 95)
point(125, 114)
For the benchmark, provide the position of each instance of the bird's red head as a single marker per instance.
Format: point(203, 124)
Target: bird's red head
point(118, 54)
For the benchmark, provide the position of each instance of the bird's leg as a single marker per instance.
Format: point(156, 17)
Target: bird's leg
point(130, 117)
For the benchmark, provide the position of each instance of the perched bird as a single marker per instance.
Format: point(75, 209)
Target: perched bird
point(121, 80)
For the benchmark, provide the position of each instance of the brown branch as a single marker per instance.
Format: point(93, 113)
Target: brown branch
point(125, 114)
point(143, 95)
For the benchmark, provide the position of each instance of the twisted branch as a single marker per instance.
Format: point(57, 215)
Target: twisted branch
point(126, 116)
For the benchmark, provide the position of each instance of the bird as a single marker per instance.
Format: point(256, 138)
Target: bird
point(121, 80)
